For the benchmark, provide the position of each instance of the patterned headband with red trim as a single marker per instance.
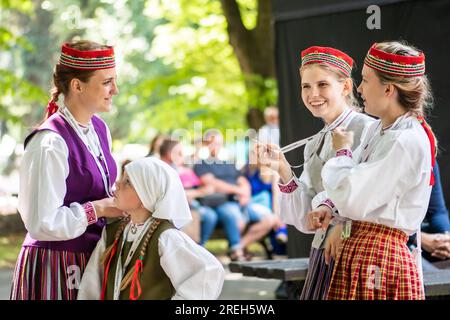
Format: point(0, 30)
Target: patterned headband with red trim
point(87, 60)
point(331, 56)
point(395, 64)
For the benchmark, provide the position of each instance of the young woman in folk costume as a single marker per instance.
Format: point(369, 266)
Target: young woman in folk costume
point(66, 176)
point(327, 92)
point(145, 256)
point(385, 188)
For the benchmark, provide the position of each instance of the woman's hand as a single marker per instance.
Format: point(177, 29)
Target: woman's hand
point(333, 243)
point(269, 155)
point(342, 139)
point(319, 218)
point(106, 208)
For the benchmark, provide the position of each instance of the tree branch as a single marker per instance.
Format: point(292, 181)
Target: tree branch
point(264, 20)
point(233, 15)
point(253, 48)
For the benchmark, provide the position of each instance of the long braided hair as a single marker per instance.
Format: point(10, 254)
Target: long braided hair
point(132, 275)
point(104, 257)
point(129, 276)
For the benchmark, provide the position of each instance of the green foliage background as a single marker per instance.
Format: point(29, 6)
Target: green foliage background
point(174, 62)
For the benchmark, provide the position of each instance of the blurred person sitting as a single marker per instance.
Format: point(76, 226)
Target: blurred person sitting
point(435, 230)
point(264, 186)
point(171, 152)
point(155, 144)
point(232, 199)
point(270, 132)
point(196, 155)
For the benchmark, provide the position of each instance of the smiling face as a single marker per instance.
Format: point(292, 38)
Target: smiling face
point(373, 93)
point(323, 93)
point(125, 196)
point(96, 94)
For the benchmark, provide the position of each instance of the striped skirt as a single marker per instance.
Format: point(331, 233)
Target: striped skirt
point(375, 264)
point(318, 278)
point(43, 274)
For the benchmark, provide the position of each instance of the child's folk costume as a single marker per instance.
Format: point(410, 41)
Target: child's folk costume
point(153, 260)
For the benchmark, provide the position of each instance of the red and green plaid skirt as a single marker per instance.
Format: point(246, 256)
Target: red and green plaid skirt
point(375, 264)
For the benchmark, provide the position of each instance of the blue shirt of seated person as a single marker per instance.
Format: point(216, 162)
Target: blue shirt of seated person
point(435, 226)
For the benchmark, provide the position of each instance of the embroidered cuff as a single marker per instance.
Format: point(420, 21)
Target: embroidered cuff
point(90, 213)
point(344, 152)
point(330, 204)
point(289, 187)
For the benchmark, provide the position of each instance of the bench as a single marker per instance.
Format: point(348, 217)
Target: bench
point(293, 273)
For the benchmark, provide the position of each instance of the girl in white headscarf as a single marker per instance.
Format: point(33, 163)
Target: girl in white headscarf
point(145, 256)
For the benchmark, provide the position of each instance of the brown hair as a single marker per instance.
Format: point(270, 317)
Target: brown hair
point(414, 93)
point(341, 76)
point(167, 146)
point(154, 149)
point(62, 75)
point(122, 166)
point(108, 251)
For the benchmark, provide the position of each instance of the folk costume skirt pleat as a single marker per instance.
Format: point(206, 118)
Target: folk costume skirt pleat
point(318, 278)
point(375, 264)
point(44, 274)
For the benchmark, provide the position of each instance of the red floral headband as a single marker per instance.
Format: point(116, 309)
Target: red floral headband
point(328, 55)
point(87, 60)
point(395, 64)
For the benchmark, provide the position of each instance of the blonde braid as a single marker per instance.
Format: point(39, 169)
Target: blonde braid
point(128, 277)
point(105, 255)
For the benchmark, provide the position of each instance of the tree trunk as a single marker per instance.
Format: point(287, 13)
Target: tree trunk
point(254, 50)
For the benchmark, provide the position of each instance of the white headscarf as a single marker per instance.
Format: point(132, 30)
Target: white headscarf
point(159, 187)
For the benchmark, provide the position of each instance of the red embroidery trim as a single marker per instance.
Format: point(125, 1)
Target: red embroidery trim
point(90, 213)
point(430, 135)
point(329, 204)
point(105, 276)
point(290, 187)
point(344, 152)
point(328, 55)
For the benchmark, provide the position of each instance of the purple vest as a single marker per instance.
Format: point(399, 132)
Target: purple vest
point(84, 182)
